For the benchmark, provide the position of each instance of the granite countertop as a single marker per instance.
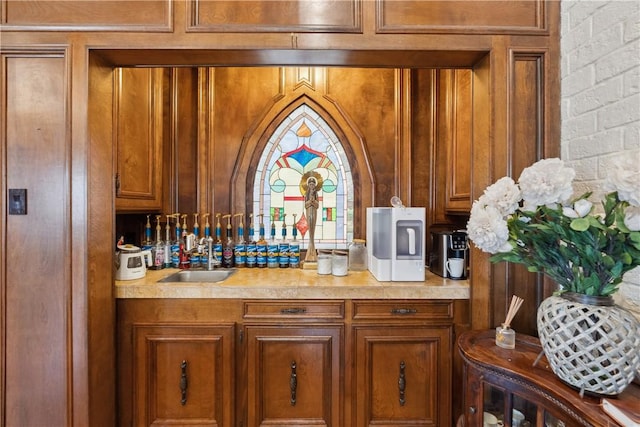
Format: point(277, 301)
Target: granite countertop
point(293, 284)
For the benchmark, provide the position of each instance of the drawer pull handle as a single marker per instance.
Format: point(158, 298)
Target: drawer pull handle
point(293, 310)
point(403, 311)
point(293, 383)
point(402, 383)
point(184, 383)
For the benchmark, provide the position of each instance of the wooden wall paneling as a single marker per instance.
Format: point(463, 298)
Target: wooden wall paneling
point(100, 311)
point(295, 16)
point(78, 15)
point(403, 162)
point(36, 305)
point(416, 16)
point(205, 164)
point(482, 153)
point(366, 97)
point(241, 98)
point(423, 139)
point(184, 135)
point(526, 130)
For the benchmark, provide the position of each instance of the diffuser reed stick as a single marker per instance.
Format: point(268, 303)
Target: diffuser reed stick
point(505, 336)
point(516, 303)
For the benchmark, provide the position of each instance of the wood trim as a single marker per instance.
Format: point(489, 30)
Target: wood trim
point(444, 17)
point(299, 16)
point(104, 15)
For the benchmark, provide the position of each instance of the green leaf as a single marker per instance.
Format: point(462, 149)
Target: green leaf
point(580, 224)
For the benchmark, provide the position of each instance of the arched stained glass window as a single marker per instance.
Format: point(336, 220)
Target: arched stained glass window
point(304, 145)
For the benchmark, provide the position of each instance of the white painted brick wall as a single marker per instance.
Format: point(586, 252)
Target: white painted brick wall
point(600, 100)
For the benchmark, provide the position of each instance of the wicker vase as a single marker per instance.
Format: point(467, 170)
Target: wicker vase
point(590, 343)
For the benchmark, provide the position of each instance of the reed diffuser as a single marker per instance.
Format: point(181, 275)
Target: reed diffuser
point(505, 336)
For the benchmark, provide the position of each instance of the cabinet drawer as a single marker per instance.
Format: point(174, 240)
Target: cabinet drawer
point(403, 309)
point(295, 309)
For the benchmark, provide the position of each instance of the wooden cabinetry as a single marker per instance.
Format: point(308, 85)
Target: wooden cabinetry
point(292, 362)
point(457, 137)
point(183, 374)
point(505, 384)
point(402, 363)
point(138, 139)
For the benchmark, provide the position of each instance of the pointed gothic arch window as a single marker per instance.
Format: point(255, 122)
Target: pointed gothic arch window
point(303, 145)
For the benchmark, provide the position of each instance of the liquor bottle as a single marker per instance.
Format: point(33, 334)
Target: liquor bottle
point(283, 246)
point(175, 244)
point(167, 243)
point(217, 245)
point(261, 245)
point(272, 247)
point(294, 246)
point(228, 246)
point(240, 249)
point(157, 251)
point(147, 243)
point(196, 252)
point(251, 245)
point(204, 258)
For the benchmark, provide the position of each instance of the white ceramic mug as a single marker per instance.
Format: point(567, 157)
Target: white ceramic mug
point(455, 267)
point(490, 420)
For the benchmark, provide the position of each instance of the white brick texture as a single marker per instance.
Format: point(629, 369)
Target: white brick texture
point(600, 99)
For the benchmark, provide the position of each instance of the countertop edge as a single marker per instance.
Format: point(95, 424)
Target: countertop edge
point(298, 284)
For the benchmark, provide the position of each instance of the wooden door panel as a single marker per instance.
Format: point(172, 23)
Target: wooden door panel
point(35, 260)
point(184, 375)
point(138, 141)
point(401, 375)
point(294, 375)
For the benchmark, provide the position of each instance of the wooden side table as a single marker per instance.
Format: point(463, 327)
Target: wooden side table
point(504, 384)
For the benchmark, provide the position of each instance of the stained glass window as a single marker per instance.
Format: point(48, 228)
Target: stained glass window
point(302, 146)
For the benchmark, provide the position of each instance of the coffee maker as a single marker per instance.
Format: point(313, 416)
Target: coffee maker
point(447, 245)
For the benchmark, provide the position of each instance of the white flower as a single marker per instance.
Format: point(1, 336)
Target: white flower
point(580, 209)
point(632, 218)
point(503, 195)
point(488, 229)
point(626, 181)
point(546, 182)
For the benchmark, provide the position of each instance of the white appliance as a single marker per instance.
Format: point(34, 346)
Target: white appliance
point(130, 262)
point(396, 243)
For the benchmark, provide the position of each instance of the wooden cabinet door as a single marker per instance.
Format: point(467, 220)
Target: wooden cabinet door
point(183, 375)
point(294, 375)
point(403, 376)
point(138, 138)
point(454, 137)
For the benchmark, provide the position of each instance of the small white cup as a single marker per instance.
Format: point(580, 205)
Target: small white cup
point(490, 420)
point(455, 267)
point(324, 263)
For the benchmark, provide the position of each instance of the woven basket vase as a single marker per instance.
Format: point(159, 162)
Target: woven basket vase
point(590, 343)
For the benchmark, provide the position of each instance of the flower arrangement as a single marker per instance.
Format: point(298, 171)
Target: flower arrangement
point(535, 223)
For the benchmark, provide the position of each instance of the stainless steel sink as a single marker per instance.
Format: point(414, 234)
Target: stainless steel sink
point(200, 275)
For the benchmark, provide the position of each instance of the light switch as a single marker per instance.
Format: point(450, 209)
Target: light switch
point(17, 201)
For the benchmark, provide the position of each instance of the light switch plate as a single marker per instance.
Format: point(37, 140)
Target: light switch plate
point(17, 201)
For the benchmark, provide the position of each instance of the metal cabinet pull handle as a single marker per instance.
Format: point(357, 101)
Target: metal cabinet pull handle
point(403, 311)
point(402, 383)
point(293, 383)
point(184, 382)
point(293, 310)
